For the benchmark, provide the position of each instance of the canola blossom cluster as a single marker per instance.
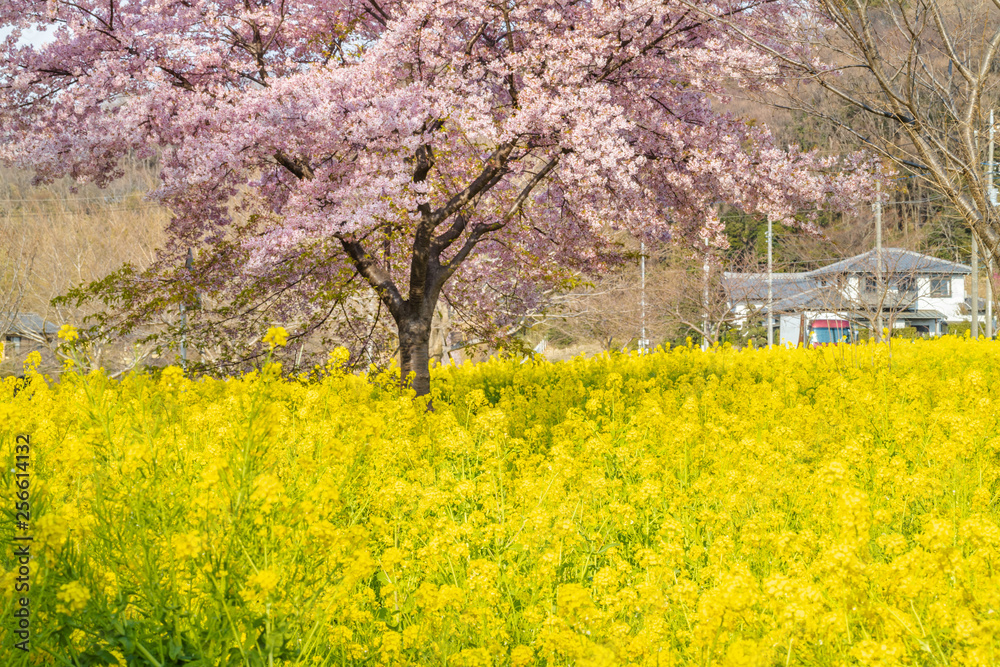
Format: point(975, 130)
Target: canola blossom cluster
point(796, 507)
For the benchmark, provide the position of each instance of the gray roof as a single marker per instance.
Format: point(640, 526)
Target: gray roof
point(966, 305)
point(752, 287)
point(922, 315)
point(817, 298)
point(894, 260)
point(27, 325)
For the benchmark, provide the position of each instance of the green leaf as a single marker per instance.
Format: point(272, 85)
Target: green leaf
point(605, 548)
point(100, 657)
point(174, 648)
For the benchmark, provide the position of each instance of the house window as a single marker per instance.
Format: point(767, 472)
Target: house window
point(871, 284)
point(906, 285)
point(941, 286)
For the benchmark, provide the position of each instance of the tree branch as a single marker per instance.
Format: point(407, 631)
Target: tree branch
point(369, 269)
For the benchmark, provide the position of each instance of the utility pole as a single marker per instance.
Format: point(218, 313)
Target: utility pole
point(989, 298)
point(974, 279)
point(188, 264)
point(704, 303)
point(770, 285)
point(974, 322)
point(877, 207)
point(643, 343)
point(989, 263)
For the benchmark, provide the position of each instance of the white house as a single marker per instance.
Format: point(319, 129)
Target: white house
point(911, 289)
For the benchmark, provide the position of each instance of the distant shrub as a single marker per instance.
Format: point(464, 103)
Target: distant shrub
point(958, 328)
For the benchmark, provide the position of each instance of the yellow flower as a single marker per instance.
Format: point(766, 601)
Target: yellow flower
point(68, 333)
point(521, 656)
point(32, 361)
point(261, 584)
point(267, 489)
point(276, 337)
point(338, 357)
point(186, 545)
point(737, 508)
point(73, 597)
point(171, 376)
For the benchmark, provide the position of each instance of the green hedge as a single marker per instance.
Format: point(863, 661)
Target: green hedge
point(959, 328)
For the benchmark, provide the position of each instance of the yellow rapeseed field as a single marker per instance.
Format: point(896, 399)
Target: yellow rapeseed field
point(792, 507)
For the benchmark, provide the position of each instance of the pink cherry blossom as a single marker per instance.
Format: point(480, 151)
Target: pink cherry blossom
point(424, 149)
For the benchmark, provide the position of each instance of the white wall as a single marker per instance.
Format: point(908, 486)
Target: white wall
point(790, 328)
point(949, 306)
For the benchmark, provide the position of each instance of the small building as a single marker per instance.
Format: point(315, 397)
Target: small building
point(20, 328)
point(907, 289)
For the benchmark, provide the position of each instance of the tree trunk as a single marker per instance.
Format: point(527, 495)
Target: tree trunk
point(414, 352)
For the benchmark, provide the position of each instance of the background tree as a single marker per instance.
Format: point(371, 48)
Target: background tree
point(315, 149)
point(608, 311)
point(63, 233)
point(17, 259)
point(919, 79)
point(689, 289)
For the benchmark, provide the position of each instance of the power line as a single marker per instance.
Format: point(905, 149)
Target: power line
point(914, 201)
point(11, 214)
point(105, 198)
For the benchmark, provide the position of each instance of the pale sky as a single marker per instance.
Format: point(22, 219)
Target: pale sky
point(29, 36)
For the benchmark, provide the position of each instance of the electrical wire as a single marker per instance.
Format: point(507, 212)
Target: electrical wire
point(12, 214)
point(914, 201)
point(105, 198)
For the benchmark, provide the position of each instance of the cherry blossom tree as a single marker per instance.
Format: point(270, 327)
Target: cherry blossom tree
point(421, 149)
